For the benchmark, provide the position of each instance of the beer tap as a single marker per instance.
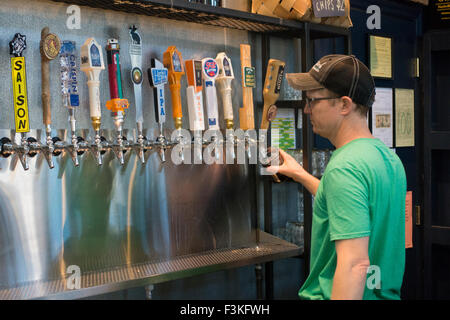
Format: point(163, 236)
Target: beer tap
point(69, 87)
point(210, 72)
point(271, 92)
point(6, 147)
point(137, 77)
point(117, 104)
point(18, 71)
point(92, 64)
point(223, 81)
point(158, 77)
point(173, 61)
point(50, 46)
point(195, 103)
point(246, 113)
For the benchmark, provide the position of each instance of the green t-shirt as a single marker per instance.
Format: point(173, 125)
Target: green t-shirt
point(362, 193)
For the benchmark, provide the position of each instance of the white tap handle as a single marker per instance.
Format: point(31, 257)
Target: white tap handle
point(138, 101)
point(158, 77)
point(92, 64)
point(223, 82)
point(94, 98)
point(224, 87)
point(210, 72)
point(211, 106)
point(160, 100)
point(195, 109)
point(194, 94)
point(136, 72)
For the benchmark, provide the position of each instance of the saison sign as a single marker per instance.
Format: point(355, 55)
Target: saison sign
point(20, 94)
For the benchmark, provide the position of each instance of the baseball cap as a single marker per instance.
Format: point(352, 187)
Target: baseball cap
point(344, 75)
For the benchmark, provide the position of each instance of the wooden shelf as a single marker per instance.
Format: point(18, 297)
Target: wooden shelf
point(183, 10)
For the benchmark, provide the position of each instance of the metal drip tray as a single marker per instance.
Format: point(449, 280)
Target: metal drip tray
point(93, 283)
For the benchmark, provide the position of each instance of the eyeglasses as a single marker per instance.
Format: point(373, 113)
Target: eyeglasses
point(309, 101)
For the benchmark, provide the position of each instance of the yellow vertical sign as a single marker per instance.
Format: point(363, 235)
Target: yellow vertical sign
point(20, 94)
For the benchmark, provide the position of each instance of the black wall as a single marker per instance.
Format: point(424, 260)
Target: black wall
point(403, 22)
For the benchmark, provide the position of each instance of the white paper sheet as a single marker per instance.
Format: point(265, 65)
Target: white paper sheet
point(283, 129)
point(382, 116)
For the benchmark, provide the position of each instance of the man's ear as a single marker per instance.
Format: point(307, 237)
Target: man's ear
point(346, 106)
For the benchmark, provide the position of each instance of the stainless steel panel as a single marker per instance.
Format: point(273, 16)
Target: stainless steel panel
point(141, 274)
point(111, 216)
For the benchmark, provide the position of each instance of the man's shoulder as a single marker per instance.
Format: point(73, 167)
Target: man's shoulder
point(370, 157)
point(362, 149)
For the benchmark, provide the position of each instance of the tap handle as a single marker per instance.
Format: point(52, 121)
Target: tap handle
point(173, 61)
point(271, 90)
point(50, 46)
point(17, 45)
point(224, 81)
point(246, 113)
point(158, 77)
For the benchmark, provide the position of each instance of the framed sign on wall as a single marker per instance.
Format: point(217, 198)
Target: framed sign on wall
point(380, 56)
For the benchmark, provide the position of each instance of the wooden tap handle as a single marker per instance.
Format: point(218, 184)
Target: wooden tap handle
point(50, 46)
point(271, 90)
point(46, 92)
point(246, 113)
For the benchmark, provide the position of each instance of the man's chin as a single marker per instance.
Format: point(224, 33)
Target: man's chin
point(319, 133)
point(315, 131)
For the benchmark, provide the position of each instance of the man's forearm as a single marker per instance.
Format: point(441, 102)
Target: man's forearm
point(349, 282)
point(308, 181)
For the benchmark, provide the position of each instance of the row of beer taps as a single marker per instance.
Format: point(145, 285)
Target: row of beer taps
point(208, 73)
point(29, 147)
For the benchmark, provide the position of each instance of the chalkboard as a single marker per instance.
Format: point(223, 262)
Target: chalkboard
point(328, 8)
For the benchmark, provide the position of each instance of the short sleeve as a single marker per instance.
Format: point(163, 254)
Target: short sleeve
point(347, 198)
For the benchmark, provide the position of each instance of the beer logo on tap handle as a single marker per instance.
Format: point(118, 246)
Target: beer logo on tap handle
point(51, 45)
point(135, 37)
point(211, 68)
point(17, 45)
point(226, 67)
point(136, 75)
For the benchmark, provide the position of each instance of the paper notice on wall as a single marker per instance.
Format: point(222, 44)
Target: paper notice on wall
point(283, 129)
point(382, 116)
point(404, 117)
point(408, 220)
point(380, 62)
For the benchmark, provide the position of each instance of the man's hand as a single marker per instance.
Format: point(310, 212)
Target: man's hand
point(292, 169)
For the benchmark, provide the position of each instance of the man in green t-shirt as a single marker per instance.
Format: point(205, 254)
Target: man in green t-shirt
point(358, 227)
